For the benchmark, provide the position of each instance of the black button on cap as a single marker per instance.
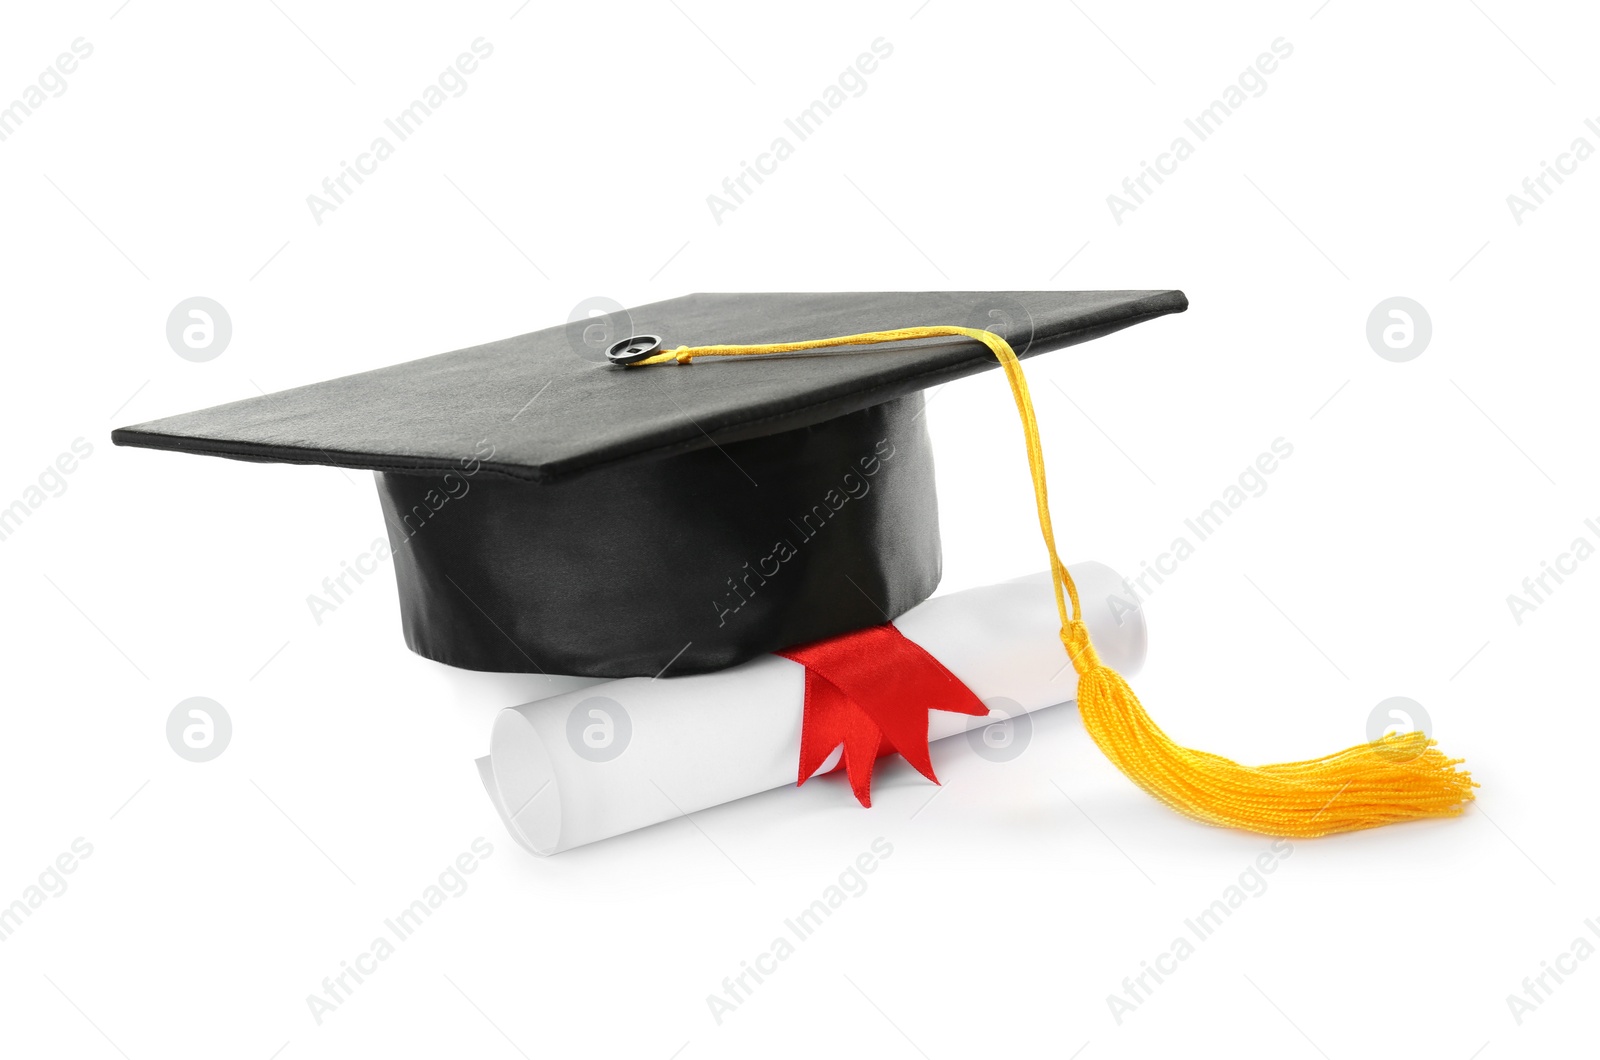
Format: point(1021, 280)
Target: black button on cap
point(633, 349)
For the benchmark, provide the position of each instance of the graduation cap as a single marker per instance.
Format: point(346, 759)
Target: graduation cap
point(550, 511)
point(621, 516)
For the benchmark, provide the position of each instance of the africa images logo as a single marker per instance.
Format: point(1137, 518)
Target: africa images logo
point(851, 84)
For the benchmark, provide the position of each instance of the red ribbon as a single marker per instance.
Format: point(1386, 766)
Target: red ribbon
point(871, 691)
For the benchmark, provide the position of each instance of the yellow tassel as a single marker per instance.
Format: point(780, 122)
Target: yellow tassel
point(1399, 778)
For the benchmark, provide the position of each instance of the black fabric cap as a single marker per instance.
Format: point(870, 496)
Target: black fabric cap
point(549, 511)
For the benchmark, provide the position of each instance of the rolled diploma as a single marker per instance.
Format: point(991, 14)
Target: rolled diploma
point(703, 740)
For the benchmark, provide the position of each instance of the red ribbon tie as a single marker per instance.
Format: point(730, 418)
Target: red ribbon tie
point(871, 691)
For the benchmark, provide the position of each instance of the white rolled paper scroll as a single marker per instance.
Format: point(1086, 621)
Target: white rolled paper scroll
point(625, 754)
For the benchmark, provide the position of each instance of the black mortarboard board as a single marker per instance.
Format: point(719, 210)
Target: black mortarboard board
point(549, 511)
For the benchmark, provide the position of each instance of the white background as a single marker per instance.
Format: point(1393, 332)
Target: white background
point(1377, 163)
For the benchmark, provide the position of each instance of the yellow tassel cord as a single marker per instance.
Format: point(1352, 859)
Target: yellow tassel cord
point(1399, 778)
